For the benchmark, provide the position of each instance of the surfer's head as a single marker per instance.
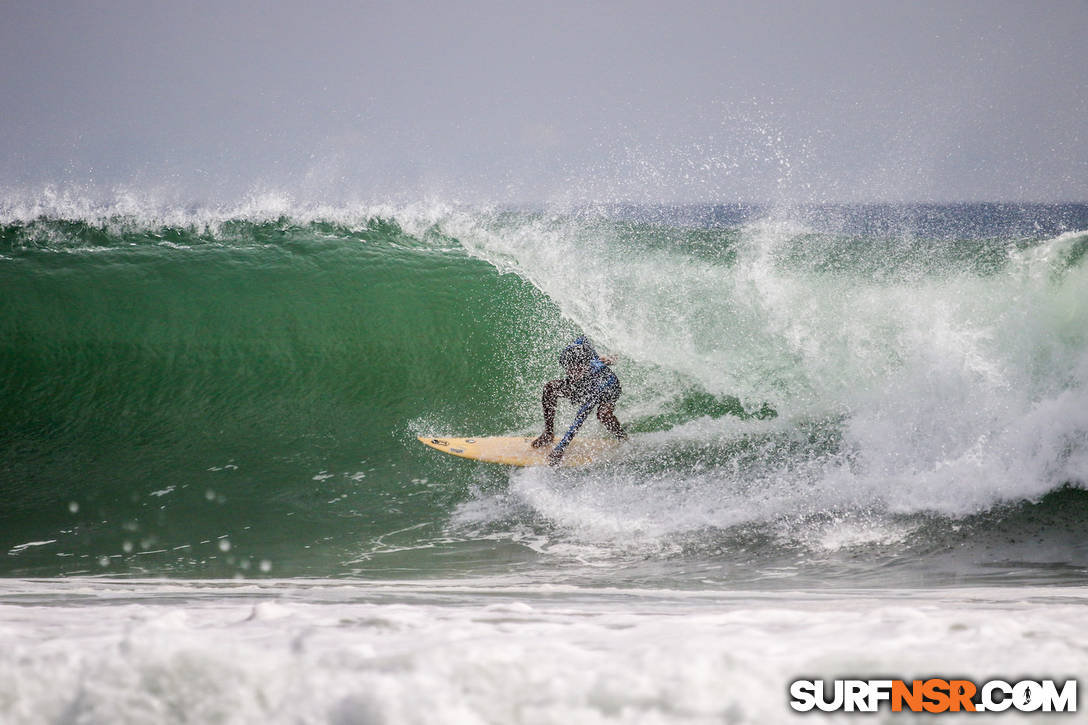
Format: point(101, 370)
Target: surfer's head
point(577, 354)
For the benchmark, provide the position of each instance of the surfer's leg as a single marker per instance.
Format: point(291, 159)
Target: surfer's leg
point(610, 393)
point(548, 400)
point(606, 414)
point(557, 453)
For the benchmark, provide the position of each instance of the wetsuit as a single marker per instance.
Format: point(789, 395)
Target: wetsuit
point(589, 384)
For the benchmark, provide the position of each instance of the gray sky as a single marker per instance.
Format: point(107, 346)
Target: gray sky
point(837, 100)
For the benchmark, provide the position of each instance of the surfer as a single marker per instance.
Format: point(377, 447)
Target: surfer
point(589, 384)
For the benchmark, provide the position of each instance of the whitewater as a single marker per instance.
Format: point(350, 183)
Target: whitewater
point(859, 447)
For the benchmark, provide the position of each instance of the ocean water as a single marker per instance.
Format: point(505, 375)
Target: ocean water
point(859, 447)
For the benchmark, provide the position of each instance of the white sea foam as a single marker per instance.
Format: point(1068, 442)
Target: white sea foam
point(495, 651)
point(16, 550)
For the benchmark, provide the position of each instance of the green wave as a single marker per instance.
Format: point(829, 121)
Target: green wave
point(167, 387)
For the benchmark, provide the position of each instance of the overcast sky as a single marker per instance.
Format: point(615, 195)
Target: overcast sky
point(535, 101)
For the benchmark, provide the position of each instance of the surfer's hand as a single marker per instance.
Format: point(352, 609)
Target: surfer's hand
point(543, 440)
point(608, 359)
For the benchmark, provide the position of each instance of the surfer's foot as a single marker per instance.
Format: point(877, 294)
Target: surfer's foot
point(621, 434)
point(543, 440)
point(555, 457)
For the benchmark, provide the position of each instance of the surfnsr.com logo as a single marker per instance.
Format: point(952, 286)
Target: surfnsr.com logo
point(934, 695)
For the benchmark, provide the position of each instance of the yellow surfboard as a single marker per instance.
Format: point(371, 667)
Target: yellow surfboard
point(513, 451)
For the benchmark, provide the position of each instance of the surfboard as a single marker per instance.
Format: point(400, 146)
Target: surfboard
point(513, 451)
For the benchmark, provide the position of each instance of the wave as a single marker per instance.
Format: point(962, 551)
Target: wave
point(267, 365)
